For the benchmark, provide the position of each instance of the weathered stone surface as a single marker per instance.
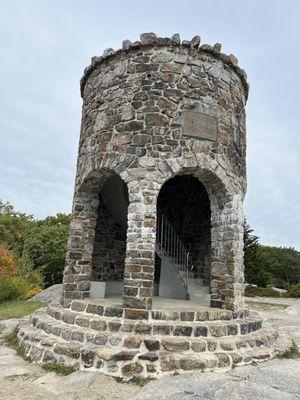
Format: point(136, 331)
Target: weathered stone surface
point(148, 38)
point(132, 369)
point(192, 363)
point(161, 329)
point(152, 344)
point(200, 330)
point(107, 353)
point(195, 42)
point(151, 356)
point(68, 349)
point(136, 314)
point(113, 311)
point(143, 328)
point(124, 355)
point(183, 330)
point(133, 107)
point(176, 39)
point(98, 325)
point(176, 345)
point(187, 316)
point(198, 346)
point(87, 357)
point(132, 342)
point(223, 359)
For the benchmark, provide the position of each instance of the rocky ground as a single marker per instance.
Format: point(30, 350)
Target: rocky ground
point(276, 379)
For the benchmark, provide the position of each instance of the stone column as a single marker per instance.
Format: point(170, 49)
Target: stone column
point(140, 251)
point(78, 268)
point(227, 270)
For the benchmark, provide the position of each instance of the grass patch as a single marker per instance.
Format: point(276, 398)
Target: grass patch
point(59, 369)
point(12, 341)
point(292, 352)
point(18, 309)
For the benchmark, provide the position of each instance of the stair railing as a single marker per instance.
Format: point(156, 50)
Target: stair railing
point(171, 244)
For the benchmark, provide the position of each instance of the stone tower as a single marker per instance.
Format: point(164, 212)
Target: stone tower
point(161, 174)
point(157, 221)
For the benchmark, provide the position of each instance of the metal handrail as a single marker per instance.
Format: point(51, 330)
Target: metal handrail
point(171, 244)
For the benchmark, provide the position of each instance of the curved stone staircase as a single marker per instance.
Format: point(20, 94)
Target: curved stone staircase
point(125, 343)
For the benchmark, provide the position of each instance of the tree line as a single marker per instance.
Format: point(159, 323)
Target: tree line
point(32, 255)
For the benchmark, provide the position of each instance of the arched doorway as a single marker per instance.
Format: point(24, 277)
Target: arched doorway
point(183, 248)
point(108, 259)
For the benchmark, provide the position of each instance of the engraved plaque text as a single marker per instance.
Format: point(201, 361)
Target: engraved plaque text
point(200, 125)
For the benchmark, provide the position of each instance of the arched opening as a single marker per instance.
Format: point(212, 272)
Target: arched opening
point(183, 240)
point(108, 259)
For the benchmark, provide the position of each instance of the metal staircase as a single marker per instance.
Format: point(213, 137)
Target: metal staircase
point(172, 251)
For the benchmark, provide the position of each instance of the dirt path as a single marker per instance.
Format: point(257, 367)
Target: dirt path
point(276, 379)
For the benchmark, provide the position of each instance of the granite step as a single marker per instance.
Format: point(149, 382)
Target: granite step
point(146, 356)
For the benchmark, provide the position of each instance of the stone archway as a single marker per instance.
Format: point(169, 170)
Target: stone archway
point(183, 239)
point(97, 239)
point(108, 260)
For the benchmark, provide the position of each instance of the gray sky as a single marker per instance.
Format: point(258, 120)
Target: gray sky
point(45, 46)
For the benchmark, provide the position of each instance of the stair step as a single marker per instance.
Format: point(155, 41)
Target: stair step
point(199, 289)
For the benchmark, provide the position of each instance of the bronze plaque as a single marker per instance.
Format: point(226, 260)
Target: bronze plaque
point(200, 125)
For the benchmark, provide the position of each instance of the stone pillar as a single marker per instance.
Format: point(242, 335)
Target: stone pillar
point(140, 251)
point(227, 269)
point(80, 247)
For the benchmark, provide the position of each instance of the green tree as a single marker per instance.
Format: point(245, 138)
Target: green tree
point(45, 245)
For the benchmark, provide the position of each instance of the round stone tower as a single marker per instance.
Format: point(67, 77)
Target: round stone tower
point(161, 176)
point(157, 220)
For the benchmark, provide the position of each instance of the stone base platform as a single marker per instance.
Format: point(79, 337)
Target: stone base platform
point(101, 335)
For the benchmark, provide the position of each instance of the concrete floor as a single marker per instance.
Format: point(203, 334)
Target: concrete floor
point(161, 303)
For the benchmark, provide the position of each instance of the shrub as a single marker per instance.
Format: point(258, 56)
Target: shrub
point(8, 264)
point(294, 291)
point(32, 292)
point(13, 288)
point(262, 292)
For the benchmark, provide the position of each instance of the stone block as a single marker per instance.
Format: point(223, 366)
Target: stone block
point(191, 363)
point(224, 359)
point(161, 329)
point(151, 356)
point(142, 328)
point(132, 369)
point(68, 349)
point(200, 330)
point(152, 344)
point(132, 342)
point(187, 316)
point(100, 339)
point(198, 346)
point(113, 311)
point(98, 324)
point(87, 357)
point(136, 314)
point(124, 355)
point(107, 353)
point(176, 345)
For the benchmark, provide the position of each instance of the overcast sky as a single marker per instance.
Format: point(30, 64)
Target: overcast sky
point(45, 45)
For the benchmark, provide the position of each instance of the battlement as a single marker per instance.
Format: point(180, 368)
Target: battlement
point(151, 40)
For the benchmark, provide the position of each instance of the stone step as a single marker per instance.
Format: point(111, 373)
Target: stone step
point(136, 355)
point(112, 310)
point(199, 289)
point(186, 326)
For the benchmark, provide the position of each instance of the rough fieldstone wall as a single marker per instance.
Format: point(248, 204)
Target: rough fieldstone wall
point(109, 249)
point(184, 201)
point(133, 102)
